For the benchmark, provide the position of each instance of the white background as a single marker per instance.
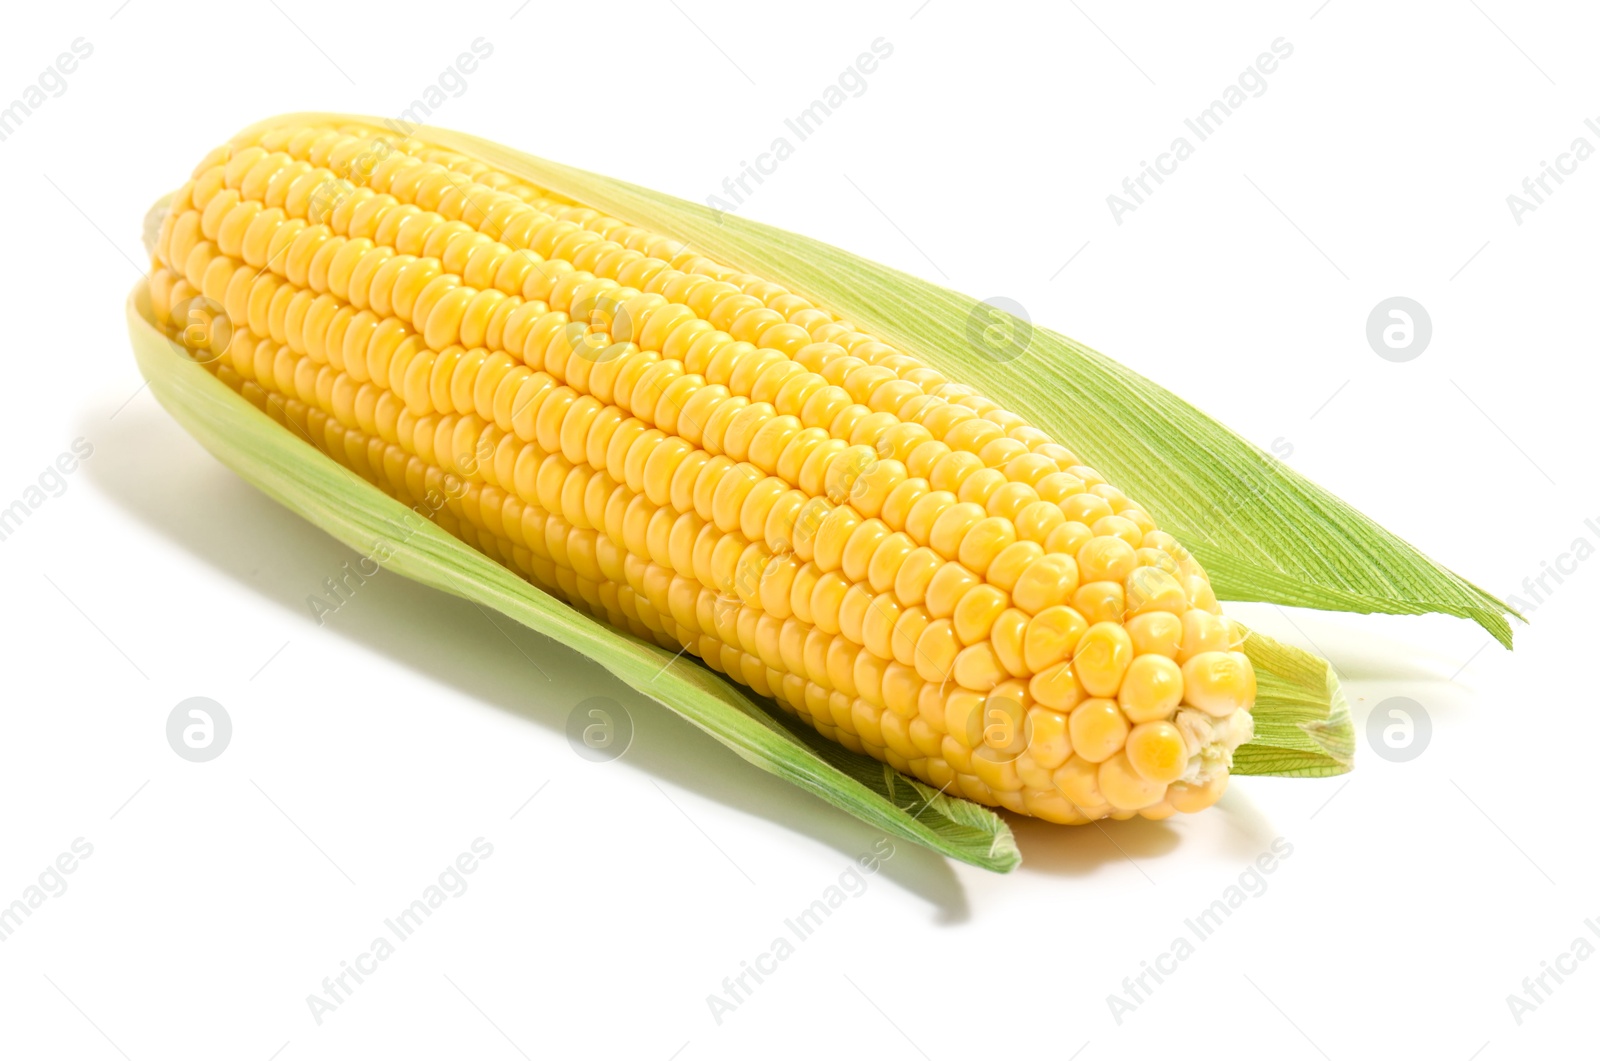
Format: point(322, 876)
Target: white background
point(369, 752)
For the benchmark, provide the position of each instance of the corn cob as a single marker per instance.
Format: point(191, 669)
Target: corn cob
point(714, 463)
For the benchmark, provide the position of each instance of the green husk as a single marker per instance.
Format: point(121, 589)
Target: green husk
point(1302, 720)
point(1263, 531)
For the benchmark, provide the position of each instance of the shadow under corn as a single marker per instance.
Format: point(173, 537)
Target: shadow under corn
point(146, 465)
point(1083, 850)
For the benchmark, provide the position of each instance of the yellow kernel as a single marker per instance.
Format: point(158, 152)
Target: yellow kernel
point(916, 572)
point(1119, 527)
point(972, 788)
point(963, 716)
point(1159, 539)
point(1007, 635)
point(985, 541)
point(1160, 633)
point(977, 667)
point(877, 625)
point(1105, 559)
point(1010, 562)
point(1124, 788)
point(1030, 468)
point(947, 588)
point(801, 588)
point(1058, 485)
point(997, 770)
point(1006, 500)
point(1046, 582)
point(1085, 508)
point(1202, 632)
point(936, 650)
point(1200, 594)
point(1097, 729)
point(1078, 780)
point(843, 471)
point(1219, 683)
point(1005, 720)
point(1157, 752)
point(1068, 538)
point(1038, 520)
point(924, 511)
point(951, 527)
point(841, 662)
point(1148, 557)
point(856, 559)
point(1191, 799)
point(874, 486)
point(976, 612)
point(947, 468)
point(1049, 744)
point(1152, 688)
point(1157, 812)
point(1236, 634)
point(1056, 687)
point(900, 687)
point(1047, 805)
point(1100, 602)
point(887, 559)
point(1102, 657)
point(827, 598)
point(828, 544)
point(929, 742)
point(908, 630)
point(1139, 518)
point(1149, 589)
point(1051, 636)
